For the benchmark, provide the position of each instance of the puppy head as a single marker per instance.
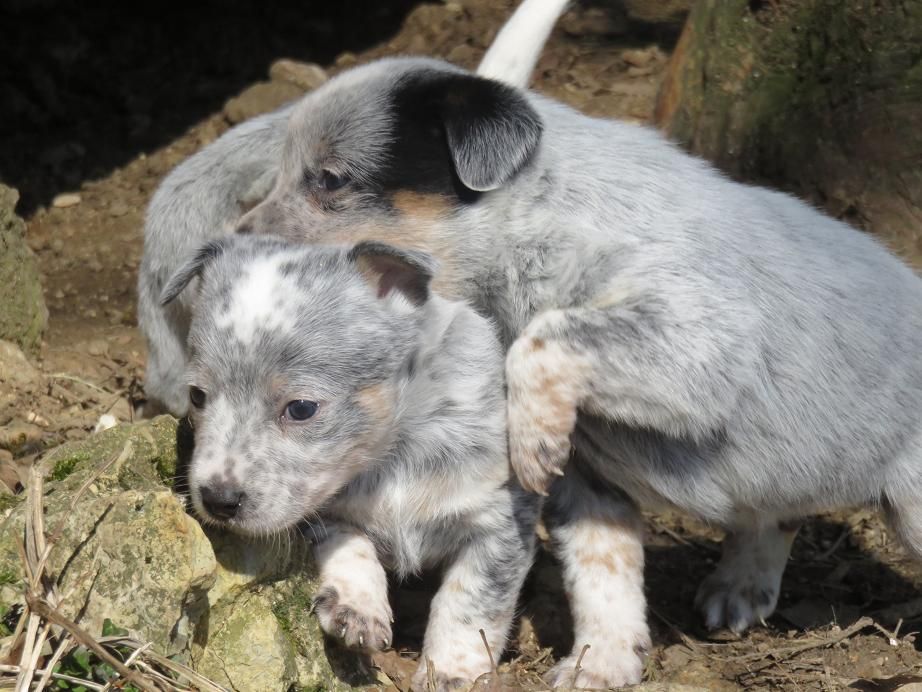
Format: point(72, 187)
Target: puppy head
point(386, 149)
point(297, 354)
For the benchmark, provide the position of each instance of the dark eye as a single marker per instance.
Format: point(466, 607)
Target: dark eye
point(301, 409)
point(331, 182)
point(197, 397)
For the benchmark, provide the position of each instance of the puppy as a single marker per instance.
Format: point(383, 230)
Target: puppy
point(674, 338)
point(327, 380)
point(204, 197)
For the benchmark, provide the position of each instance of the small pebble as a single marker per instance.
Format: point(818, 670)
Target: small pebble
point(68, 199)
point(99, 347)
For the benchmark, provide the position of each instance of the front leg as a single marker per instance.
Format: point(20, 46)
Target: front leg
point(351, 600)
point(479, 591)
point(640, 362)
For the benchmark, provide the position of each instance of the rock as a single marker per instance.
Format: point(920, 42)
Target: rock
point(129, 552)
point(813, 97)
point(15, 369)
point(23, 315)
point(98, 347)
point(669, 13)
point(68, 199)
point(260, 98)
point(307, 76)
point(16, 436)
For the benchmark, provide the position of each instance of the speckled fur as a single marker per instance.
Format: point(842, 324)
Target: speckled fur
point(403, 466)
point(681, 339)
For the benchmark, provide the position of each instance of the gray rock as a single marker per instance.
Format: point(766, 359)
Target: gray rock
point(129, 552)
point(23, 315)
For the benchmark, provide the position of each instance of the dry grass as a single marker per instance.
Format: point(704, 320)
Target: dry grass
point(30, 658)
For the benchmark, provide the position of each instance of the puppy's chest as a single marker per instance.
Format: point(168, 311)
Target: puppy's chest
point(415, 522)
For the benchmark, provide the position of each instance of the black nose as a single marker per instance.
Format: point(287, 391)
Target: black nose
point(222, 501)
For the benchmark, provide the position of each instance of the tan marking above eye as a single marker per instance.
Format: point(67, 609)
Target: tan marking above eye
point(421, 206)
point(378, 401)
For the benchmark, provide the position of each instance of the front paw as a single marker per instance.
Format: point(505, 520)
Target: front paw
point(545, 384)
point(536, 458)
point(358, 625)
point(618, 666)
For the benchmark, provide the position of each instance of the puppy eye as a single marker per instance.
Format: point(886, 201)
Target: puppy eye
point(331, 182)
point(197, 397)
point(301, 409)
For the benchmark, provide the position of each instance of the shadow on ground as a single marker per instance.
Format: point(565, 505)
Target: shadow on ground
point(87, 86)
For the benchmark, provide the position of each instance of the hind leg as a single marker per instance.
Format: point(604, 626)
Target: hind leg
point(744, 588)
point(598, 537)
point(904, 512)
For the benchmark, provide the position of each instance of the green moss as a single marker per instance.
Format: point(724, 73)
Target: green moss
point(64, 467)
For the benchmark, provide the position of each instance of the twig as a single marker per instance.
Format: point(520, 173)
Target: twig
point(486, 645)
point(578, 667)
point(785, 654)
point(55, 657)
point(835, 545)
point(78, 380)
point(132, 657)
point(41, 607)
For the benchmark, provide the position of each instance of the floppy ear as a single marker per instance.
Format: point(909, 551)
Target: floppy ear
point(389, 268)
point(492, 130)
point(205, 255)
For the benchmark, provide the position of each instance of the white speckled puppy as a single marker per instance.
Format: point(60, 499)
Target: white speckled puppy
point(331, 381)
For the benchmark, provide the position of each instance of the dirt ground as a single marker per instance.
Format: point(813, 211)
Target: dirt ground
point(143, 106)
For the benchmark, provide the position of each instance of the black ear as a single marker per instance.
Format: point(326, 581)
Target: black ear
point(394, 269)
point(492, 130)
point(205, 255)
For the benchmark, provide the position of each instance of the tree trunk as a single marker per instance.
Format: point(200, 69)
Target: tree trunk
point(822, 98)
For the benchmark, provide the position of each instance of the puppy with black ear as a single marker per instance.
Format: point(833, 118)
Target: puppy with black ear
point(329, 381)
point(205, 196)
point(674, 338)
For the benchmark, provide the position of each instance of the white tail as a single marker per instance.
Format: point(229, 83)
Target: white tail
point(515, 50)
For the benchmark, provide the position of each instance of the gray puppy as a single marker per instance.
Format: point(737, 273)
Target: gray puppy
point(329, 380)
point(674, 338)
point(204, 197)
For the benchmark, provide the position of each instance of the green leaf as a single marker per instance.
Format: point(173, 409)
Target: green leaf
point(82, 658)
point(110, 630)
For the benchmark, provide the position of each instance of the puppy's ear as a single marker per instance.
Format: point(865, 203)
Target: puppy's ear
point(193, 268)
point(492, 130)
point(388, 268)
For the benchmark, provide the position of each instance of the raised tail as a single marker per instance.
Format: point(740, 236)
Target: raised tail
point(514, 52)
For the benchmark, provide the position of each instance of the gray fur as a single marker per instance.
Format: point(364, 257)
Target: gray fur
point(203, 198)
point(751, 360)
point(408, 445)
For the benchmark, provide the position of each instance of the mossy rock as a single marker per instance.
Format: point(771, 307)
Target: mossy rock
point(822, 98)
point(23, 314)
point(129, 552)
point(143, 456)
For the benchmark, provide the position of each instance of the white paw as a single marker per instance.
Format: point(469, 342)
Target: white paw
point(545, 384)
point(729, 598)
point(363, 626)
point(601, 667)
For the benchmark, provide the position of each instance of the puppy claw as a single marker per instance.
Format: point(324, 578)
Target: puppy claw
point(356, 627)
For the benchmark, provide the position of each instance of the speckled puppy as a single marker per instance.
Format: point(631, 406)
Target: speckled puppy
point(675, 338)
point(331, 380)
